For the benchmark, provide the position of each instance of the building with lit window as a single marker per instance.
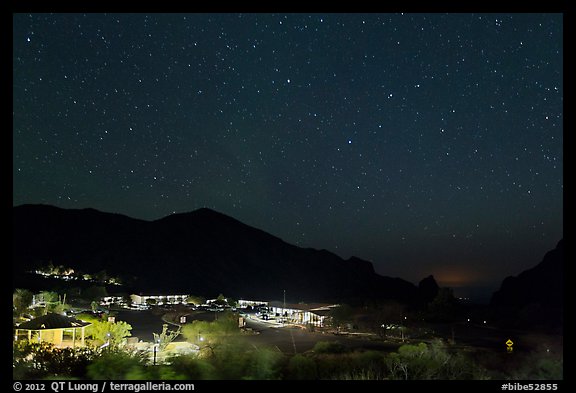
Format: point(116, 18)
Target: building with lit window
point(301, 313)
point(243, 303)
point(159, 300)
point(60, 330)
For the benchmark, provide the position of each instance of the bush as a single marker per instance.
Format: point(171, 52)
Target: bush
point(371, 361)
point(329, 347)
point(43, 360)
point(301, 367)
point(193, 368)
point(540, 365)
point(421, 361)
point(331, 366)
point(264, 364)
point(117, 365)
point(359, 375)
point(102, 331)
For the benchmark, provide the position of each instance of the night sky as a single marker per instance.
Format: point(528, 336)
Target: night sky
point(425, 143)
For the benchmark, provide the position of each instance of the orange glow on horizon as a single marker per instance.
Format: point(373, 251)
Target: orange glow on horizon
point(457, 276)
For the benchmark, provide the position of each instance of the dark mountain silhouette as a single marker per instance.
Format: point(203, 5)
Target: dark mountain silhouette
point(536, 295)
point(202, 252)
point(428, 289)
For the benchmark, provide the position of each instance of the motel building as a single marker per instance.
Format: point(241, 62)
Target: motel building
point(243, 303)
point(110, 300)
point(301, 313)
point(143, 300)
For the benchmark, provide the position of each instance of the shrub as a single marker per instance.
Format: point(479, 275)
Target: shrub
point(301, 367)
point(329, 347)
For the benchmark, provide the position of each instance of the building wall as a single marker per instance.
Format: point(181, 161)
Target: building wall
point(109, 300)
point(160, 299)
point(242, 303)
point(52, 336)
point(299, 316)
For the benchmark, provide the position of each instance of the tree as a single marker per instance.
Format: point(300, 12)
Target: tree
point(21, 301)
point(95, 293)
point(444, 307)
point(48, 297)
point(340, 315)
point(127, 299)
point(101, 276)
point(59, 307)
point(52, 303)
point(386, 313)
point(232, 302)
point(195, 300)
point(221, 300)
point(103, 331)
point(151, 302)
point(166, 337)
point(212, 334)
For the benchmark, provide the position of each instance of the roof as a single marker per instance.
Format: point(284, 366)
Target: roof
point(159, 294)
point(53, 321)
point(321, 312)
point(303, 306)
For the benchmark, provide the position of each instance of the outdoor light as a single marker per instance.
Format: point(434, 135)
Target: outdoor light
point(107, 343)
point(156, 349)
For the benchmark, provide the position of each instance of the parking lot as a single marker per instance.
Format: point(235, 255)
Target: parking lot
point(286, 338)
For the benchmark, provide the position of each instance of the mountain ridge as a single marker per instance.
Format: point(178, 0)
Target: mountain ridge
point(536, 295)
point(202, 251)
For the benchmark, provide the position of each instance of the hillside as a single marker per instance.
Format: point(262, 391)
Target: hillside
point(201, 252)
point(536, 295)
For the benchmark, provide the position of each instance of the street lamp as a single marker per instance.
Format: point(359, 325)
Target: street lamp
point(107, 343)
point(284, 308)
point(156, 350)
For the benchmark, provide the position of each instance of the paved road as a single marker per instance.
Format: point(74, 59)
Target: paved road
point(493, 338)
point(287, 339)
point(296, 340)
point(144, 323)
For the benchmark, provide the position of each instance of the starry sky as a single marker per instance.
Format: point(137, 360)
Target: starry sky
point(424, 143)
